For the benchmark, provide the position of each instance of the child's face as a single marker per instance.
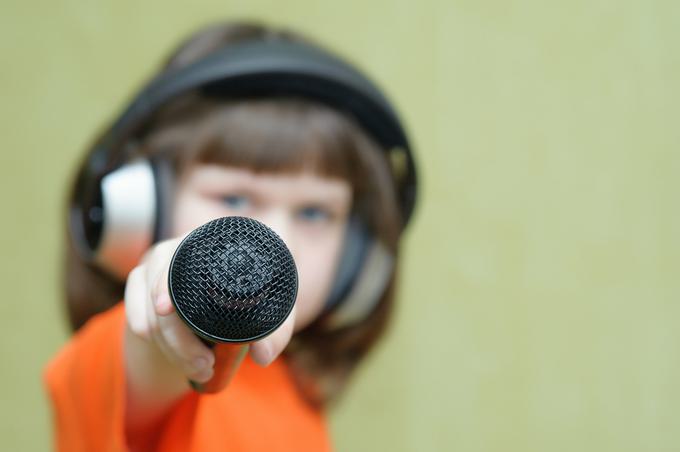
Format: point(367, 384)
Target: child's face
point(308, 211)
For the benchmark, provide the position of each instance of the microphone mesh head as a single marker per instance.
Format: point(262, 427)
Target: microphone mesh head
point(233, 280)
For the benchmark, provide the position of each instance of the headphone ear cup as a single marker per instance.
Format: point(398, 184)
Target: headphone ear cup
point(355, 246)
point(129, 210)
point(363, 274)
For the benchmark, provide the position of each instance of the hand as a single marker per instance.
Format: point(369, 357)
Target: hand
point(151, 316)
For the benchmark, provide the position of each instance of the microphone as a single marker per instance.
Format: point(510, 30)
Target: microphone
point(232, 281)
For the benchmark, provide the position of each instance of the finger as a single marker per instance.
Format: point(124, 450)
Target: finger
point(161, 295)
point(161, 262)
point(157, 264)
point(266, 350)
point(185, 349)
point(165, 337)
point(134, 299)
point(179, 345)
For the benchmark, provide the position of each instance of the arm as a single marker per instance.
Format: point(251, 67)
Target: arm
point(161, 354)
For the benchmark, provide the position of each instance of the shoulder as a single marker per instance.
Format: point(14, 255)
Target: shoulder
point(102, 331)
point(85, 382)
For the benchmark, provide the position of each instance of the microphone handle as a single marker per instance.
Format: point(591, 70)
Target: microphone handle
point(228, 357)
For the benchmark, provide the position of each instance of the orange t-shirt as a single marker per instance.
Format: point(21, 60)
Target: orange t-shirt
point(260, 410)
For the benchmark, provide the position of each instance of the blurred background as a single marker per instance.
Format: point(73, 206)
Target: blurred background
point(539, 301)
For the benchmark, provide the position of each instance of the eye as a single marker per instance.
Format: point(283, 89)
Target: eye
point(236, 202)
point(314, 214)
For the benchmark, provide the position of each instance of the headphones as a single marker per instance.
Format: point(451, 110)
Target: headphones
point(121, 205)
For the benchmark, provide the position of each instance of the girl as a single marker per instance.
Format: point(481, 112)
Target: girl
point(242, 120)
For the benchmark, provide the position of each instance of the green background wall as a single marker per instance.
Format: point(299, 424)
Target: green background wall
point(539, 305)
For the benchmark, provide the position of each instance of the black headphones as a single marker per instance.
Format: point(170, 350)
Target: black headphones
point(121, 205)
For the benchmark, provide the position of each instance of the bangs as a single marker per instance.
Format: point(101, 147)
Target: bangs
point(277, 135)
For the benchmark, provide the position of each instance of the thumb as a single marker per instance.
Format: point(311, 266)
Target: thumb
point(266, 350)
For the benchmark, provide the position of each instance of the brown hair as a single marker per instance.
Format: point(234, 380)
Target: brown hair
point(264, 135)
